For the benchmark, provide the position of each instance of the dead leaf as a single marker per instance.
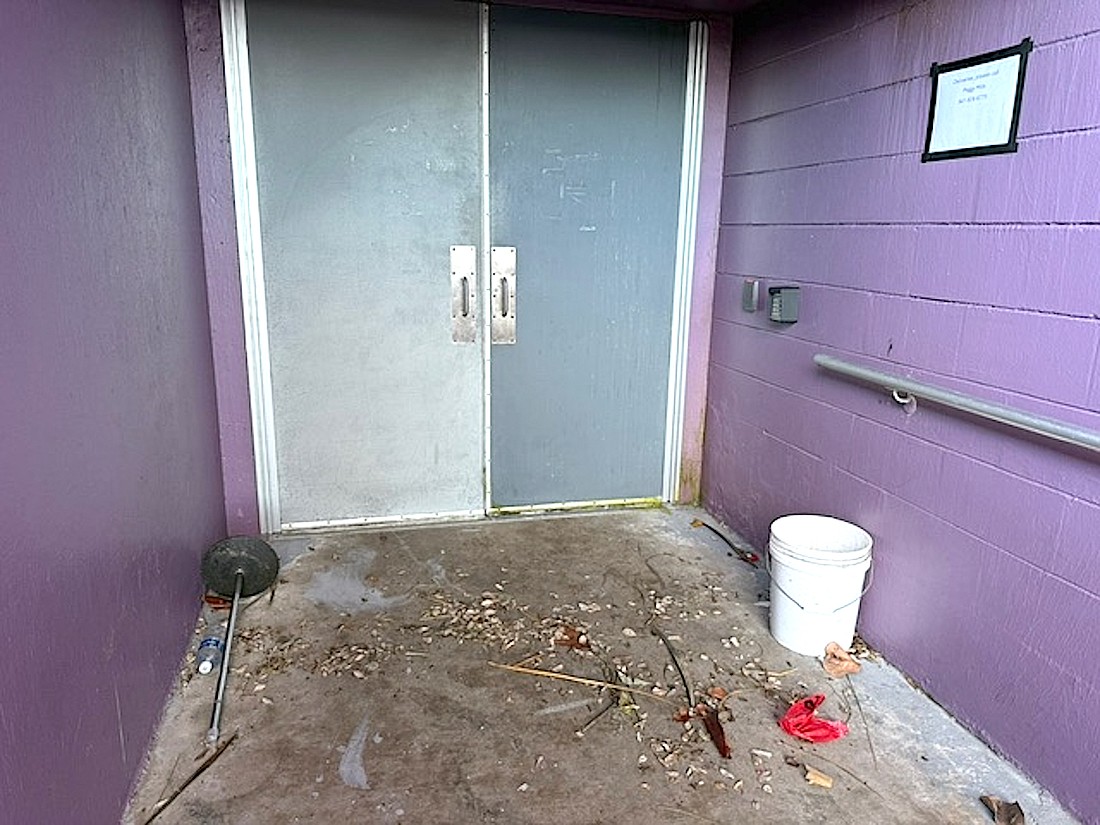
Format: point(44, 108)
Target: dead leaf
point(839, 662)
point(718, 693)
point(568, 636)
point(1004, 813)
point(714, 728)
point(816, 777)
point(682, 714)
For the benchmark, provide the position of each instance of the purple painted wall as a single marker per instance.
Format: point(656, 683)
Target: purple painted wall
point(979, 275)
point(110, 487)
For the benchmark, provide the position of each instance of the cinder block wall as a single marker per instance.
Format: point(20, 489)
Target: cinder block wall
point(978, 275)
point(110, 484)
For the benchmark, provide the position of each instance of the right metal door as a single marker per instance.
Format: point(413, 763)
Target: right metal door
point(585, 145)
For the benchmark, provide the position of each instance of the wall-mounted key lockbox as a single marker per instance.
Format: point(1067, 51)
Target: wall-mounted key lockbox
point(783, 304)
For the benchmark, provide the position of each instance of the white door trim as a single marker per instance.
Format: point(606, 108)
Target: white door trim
point(486, 281)
point(242, 142)
point(690, 165)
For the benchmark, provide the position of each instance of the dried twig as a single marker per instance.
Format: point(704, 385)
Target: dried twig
point(580, 680)
point(171, 773)
point(528, 658)
point(158, 809)
point(676, 662)
point(745, 556)
point(596, 716)
point(854, 776)
point(653, 570)
point(863, 719)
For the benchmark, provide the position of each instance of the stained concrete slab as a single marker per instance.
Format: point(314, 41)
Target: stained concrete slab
point(365, 691)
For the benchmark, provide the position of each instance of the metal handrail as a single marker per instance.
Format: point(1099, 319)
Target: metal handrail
point(1040, 425)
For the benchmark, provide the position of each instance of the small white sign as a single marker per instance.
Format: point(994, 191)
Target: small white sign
point(974, 106)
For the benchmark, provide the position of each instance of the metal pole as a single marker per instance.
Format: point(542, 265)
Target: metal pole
point(223, 672)
point(1047, 427)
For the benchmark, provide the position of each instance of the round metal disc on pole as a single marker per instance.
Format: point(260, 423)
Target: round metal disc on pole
point(252, 558)
point(237, 566)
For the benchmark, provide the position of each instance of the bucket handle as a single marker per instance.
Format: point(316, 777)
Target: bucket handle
point(866, 587)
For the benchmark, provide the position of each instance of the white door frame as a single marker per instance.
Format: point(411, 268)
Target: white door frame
point(246, 201)
point(690, 170)
point(238, 84)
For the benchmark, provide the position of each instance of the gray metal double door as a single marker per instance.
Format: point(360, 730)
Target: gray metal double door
point(380, 192)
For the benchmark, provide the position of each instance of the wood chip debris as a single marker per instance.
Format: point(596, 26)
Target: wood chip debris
point(494, 620)
point(861, 650)
point(763, 774)
point(354, 658)
point(498, 622)
point(265, 652)
point(816, 777)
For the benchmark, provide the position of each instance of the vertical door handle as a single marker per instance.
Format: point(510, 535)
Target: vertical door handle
point(463, 294)
point(502, 262)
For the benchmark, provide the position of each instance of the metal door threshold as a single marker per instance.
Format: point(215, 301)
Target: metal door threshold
point(464, 516)
point(578, 506)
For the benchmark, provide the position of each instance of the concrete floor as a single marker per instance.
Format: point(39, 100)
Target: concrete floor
point(364, 692)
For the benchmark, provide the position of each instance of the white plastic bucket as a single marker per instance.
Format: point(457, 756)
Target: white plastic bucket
point(817, 566)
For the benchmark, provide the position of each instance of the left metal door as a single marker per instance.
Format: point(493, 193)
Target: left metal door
point(367, 141)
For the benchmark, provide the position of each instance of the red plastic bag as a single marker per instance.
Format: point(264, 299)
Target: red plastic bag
point(800, 721)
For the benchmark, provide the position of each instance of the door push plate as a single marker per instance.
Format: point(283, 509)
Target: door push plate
point(463, 294)
point(502, 263)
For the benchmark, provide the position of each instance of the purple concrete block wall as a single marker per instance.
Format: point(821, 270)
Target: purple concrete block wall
point(110, 486)
point(979, 275)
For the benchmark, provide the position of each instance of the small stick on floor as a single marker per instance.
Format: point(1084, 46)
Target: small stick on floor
point(676, 662)
point(580, 680)
point(158, 809)
point(744, 555)
point(595, 717)
point(530, 657)
point(171, 774)
point(863, 719)
point(854, 776)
